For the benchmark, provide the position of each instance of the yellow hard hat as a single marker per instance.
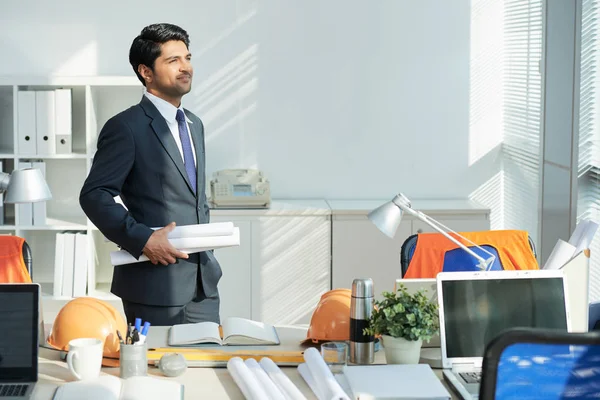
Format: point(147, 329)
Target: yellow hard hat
point(331, 319)
point(88, 317)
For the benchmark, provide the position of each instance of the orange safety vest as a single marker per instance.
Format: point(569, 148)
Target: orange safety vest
point(512, 246)
point(12, 265)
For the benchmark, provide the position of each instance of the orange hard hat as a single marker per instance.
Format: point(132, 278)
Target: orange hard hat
point(88, 317)
point(331, 319)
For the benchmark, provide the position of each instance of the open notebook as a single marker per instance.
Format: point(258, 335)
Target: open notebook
point(235, 331)
point(108, 387)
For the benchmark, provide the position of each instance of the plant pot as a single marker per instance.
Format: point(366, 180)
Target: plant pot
point(401, 351)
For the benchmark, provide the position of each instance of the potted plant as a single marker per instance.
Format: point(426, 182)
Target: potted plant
point(404, 320)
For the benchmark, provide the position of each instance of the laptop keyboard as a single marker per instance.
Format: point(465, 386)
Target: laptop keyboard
point(13, 390)
point(471, 377)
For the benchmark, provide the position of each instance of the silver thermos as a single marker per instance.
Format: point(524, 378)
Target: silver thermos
point(361, 307)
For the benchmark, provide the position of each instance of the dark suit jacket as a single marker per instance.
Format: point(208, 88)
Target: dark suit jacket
point(138, 159)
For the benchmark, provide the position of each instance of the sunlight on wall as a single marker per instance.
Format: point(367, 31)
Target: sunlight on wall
point(85, 59)
point(486, 126)
point(491, 193)
point(486, 71)
point(294, 273)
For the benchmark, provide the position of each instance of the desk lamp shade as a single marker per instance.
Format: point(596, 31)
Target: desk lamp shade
point(388, 216)
point(27, 186)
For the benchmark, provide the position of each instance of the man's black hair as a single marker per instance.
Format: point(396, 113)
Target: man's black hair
point(145, 48)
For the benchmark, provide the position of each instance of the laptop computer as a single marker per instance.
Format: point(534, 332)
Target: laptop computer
point(429, 287)
point(19, 313)
point(476, 306)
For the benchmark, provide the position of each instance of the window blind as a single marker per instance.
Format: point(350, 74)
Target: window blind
point(522, 94)
point(588, 184)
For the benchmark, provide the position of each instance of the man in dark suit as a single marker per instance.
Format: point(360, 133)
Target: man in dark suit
point(152, 156)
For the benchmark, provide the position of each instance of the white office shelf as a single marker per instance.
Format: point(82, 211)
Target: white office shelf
point(94, 100)
point(71, 156)
point(56, 225)
point(69, 81)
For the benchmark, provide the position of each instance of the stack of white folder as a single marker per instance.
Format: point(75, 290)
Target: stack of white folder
point(70, 264)
point(190, 239)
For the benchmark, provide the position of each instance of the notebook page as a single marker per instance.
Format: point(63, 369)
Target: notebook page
point(105, 387)
point(234, 326)
point(194, 333)
point(145, 388)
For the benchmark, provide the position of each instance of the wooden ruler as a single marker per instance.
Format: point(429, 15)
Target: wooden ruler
point(216, 357)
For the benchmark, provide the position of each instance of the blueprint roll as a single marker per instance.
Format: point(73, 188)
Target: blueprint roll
point(325, 381)
point(285, 385)
point(201, 230)
point(561, 254)
point(245, 379)
point(198, 230)
point(188, 245)
point(263, 379)
point(310, 381)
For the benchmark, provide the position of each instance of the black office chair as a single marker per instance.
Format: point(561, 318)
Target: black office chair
point(408, 249)
point(528, 363)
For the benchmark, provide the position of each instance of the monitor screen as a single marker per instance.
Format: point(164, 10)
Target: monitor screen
point(476, 311)
point(18, 332)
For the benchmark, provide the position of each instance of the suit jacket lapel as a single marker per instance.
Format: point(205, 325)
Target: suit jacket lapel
point(162, 131)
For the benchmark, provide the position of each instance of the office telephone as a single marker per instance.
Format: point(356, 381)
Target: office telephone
point(239, 188)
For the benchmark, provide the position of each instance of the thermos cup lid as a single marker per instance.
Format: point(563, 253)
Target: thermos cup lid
point(362, 287)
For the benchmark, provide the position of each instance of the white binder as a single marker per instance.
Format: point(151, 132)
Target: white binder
point(39, 207)
point(68, 264)
point(24, 210)
point(64, 128)
point(26, 129)
point(80, 267)
point(59, 255)
point(45, 122)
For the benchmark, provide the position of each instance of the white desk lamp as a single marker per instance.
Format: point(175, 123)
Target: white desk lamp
point(388, 216)
point(24, 186)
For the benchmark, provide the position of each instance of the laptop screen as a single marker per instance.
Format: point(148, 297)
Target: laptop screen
point(19, 332)
point(476, 311)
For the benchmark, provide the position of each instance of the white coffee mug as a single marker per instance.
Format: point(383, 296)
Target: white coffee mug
point(85, 358)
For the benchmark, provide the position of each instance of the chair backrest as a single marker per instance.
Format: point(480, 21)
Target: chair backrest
point(543, 364)
point(27, 258)
point(408, 249)
point(15, 260)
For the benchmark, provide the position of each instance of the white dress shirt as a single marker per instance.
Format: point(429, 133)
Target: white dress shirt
point(169, 113)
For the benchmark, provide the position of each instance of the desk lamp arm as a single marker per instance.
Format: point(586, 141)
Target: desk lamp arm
point(483, 263)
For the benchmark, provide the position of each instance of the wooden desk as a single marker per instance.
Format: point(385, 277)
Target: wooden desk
point(200, 383)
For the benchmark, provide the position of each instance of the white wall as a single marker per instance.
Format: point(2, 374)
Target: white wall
point(336, 99)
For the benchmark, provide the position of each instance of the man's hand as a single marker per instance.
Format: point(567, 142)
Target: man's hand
point(158, 248)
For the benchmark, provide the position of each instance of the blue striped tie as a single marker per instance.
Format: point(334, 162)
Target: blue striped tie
point(188, 156)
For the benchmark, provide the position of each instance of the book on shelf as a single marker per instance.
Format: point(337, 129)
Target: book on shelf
point(233, 331)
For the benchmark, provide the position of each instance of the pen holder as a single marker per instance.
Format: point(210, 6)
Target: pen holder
point(133, 360)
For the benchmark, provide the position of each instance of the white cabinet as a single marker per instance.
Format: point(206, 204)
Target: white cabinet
point(360, 250)
point(279, 273)
point(235, 286)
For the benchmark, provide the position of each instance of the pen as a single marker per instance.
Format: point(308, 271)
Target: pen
point(144, 333)
point(138, 324)
point(120, 337)
point(145, 328)
point(135, 338)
